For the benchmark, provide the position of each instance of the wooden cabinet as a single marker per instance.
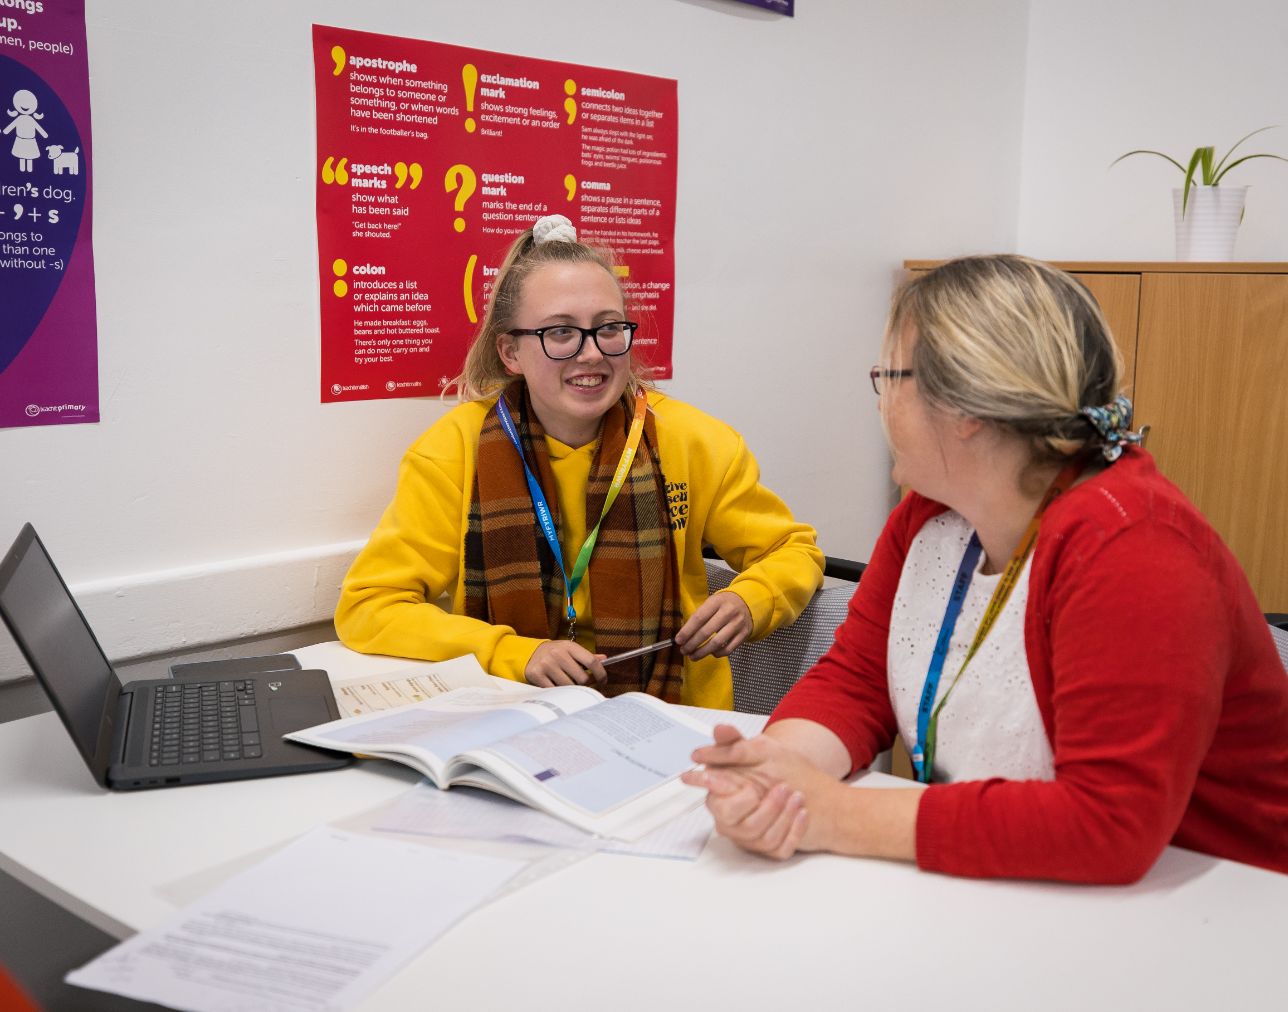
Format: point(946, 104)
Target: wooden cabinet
point(1206, 350)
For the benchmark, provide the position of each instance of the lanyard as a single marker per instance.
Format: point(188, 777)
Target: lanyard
point(923, 753)
point(542, 509)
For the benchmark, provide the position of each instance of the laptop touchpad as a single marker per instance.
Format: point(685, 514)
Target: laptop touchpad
point(294, 714)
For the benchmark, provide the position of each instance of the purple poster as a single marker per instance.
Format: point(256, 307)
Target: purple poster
point(787, 7)
point(48, 336)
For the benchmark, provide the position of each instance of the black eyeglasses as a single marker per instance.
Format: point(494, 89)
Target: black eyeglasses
point(878, 376)
point(566, 341)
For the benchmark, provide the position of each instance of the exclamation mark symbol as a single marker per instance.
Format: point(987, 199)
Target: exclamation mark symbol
point(470, 78)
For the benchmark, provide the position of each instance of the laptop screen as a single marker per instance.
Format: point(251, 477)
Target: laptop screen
point(56, 640)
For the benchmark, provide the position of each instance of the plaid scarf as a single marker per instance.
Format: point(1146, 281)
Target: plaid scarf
point(511, 577)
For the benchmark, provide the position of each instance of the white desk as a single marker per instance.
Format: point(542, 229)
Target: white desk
point(729, 931)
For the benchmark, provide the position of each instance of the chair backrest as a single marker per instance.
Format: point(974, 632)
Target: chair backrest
point(765, 669)
point(1280, 637)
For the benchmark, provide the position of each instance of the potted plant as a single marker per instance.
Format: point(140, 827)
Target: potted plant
point(1207, 215)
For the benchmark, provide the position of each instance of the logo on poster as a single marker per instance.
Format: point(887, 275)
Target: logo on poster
point(34, 410)
point(344, 388)
point(392, 385)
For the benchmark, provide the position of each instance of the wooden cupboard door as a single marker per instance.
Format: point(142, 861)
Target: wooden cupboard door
point(1119, 298)
point(1212, 384)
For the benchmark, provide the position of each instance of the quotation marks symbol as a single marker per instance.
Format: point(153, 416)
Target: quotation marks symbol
point(391, 386)
point(337, 54)
point(460, 178)
point(570, 184)
point(402, 170)
point(32, 411)
point(335, 388)
point(341, 287)
point(570, 103)
point(336, 173)
point(469, 78)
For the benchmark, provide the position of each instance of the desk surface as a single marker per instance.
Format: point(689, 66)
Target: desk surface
point(729, 930)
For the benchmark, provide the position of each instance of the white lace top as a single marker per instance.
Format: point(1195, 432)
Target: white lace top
point(990, 726)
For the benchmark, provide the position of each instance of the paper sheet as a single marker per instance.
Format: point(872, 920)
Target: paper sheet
point(464, 813)
point(367, 683)
point(291, 934)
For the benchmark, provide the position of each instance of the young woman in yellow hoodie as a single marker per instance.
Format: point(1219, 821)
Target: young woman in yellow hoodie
point(557, 516)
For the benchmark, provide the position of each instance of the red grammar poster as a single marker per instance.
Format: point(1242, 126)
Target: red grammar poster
point(431, 158)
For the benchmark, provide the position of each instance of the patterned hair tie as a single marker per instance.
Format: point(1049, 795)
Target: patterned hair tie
point(1113, 424)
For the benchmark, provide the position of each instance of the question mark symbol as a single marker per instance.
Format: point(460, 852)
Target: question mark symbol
point(337, 54)
point(460, 178)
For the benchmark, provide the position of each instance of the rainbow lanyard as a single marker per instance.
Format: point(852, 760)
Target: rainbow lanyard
point(923, 753)
point(542, 508)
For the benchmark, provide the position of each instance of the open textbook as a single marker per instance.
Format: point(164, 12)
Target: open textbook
point(608, 766)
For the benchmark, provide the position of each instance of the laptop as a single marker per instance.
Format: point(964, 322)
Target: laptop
point(159, 732)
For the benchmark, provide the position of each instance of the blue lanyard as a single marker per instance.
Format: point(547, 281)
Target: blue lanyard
point(541, 507)
point(965, 573)
point(923, 753)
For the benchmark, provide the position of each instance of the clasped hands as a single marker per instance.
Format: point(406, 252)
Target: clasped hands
point(763, 794)
point(716, 628)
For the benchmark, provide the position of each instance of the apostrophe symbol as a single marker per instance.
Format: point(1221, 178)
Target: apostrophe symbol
point(337, 54)
point(570, 185)
point(402, 170)
point(570, 103)
point(469, 288)
point(461, 179)
point(470, 78)
point(341, 287)
point(621, 271)
point(336, 173)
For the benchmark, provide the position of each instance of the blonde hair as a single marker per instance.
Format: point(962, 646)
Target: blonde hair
point(1011, 341)
point(484, 374)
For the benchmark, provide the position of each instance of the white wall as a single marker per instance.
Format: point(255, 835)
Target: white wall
point(1106, 77)
point(218, 498)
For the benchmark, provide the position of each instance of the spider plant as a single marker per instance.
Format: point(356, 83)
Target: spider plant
point(1203, 165)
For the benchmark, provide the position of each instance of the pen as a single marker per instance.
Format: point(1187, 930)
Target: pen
point(628, 655)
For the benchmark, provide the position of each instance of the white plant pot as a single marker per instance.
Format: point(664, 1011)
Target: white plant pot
point(1210, 224)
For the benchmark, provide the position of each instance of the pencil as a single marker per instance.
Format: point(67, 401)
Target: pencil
point(629, 655)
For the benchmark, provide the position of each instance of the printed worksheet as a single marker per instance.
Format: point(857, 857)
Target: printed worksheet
point(271, 940)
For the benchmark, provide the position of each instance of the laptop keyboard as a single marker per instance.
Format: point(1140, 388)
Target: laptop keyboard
point(203, 722)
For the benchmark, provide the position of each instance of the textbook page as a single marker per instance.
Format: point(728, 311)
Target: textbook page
point(429, 735)
point(271, 940)
point(611, 769)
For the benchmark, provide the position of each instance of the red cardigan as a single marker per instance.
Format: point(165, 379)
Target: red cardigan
point(1156, 676)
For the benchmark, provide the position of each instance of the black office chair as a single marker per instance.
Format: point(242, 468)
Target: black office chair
point(765, 669)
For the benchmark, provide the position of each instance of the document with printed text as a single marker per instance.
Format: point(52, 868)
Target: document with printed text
point(292, 935)
point(608, 766)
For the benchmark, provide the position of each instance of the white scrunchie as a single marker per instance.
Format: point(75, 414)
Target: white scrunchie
point(553, 228)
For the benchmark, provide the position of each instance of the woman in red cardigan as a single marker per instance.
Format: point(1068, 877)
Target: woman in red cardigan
point(1075, 661)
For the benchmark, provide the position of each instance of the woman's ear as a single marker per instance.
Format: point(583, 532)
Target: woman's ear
point(506, 348)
